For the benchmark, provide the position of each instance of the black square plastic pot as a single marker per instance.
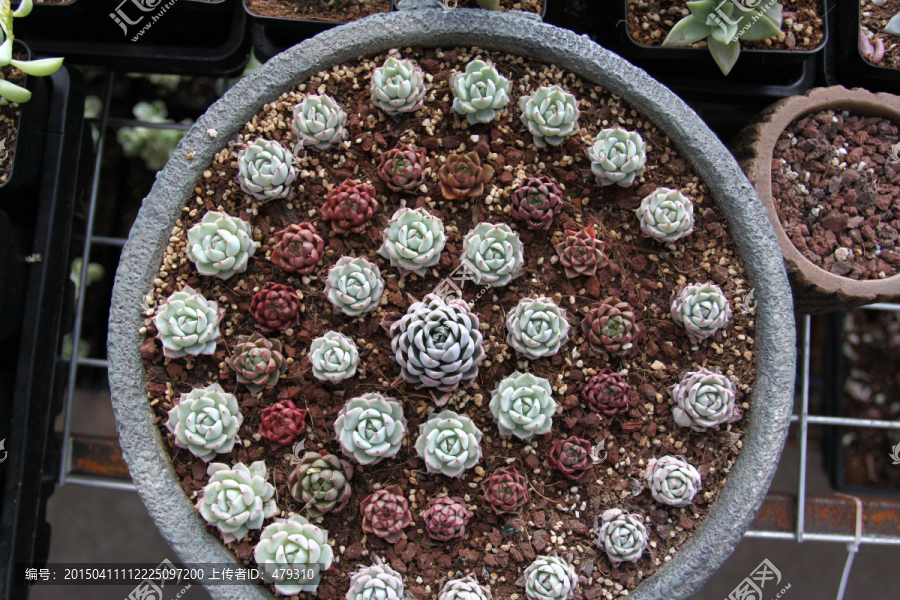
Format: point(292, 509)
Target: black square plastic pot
point(852, 69)
point(291, 31)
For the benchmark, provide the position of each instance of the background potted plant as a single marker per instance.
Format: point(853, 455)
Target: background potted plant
point(866, 47)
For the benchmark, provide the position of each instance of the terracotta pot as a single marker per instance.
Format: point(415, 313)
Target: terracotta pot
point(815, 289)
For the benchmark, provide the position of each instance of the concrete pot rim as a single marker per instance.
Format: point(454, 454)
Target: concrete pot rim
point(816, 283)
point(749, 479)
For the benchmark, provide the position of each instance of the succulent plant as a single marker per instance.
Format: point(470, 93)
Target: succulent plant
point(610, 326)
point(716, 23)
point(275, 307)
point(319, 122)
point(205, 421)
point(572, 457)
point(673, 481)
point(298, 248)
point(37, 68)
point(480, 93)
point(873, 50)
point(354, 286)
point(550, 578)
point(463, 176)
point(293, 546)
point(617, 156)
point(321, 482)
point(266, 170)
point(282, 423)
point(581, 253)
point(187, 323)
point(237, 499)
point(386, 513)
point(702, 309)
point(523, 406)
point(466, 588)
point(622, 535)
point(334, 357)
point(537, 327)
point(494, 252)
point(398, 86)
point(378, 582)
point(666, 215)
point(536, 201)
point(449, 443)
point(402, 169)
point(550, 114)
point(370, 428)
point(446, 518)
point(220, 245)
point(505, 490)
point(413, 240)
point(607, 393)
point(350, 206)
point(438, 344)
point(702, 399)
point(258, 362)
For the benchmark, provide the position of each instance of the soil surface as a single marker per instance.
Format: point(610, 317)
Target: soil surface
point(340, 11)
point(649, 22)
point(535, 6)
point(9, 119)
point(874, 19)
point(642, 272)
point(871, 391)
point(837, 192)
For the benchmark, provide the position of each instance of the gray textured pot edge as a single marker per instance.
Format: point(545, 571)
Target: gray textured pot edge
point(141, 444)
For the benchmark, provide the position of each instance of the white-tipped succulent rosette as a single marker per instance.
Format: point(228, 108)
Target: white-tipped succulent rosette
point(334, 357)
point(537, 327)
point(376, 582)
point(205, 421)
point(550, 578)
point(466, 588)
point(494, 253)
point(550, 114)
point(480, 93)
point(237, 499)
point(266, 170)
point(413, 240)
point(666, 215)
point(617, 157)
point(354, 286)
point(449, 443)
point(319, 122)
point(187, 323)
point(672, 480)
point(703, 399)
point(370, 428)
point(522, 405)
point(398, 86)
point(220, 245)
point(622, 535)
point(292, 554)
point(702, 309)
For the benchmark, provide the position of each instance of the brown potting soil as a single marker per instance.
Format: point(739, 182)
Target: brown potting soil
point(340, 11)
point(9, 119)
point(875, 18)
point(535, 6)
point(650, 21)
point(836, 191)
point(642, 272)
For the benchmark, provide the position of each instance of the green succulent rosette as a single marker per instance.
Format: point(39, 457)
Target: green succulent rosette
point(550, 114)
point(354, 286)
point(266, 170)
point(480, 93)
point(494, 253)
point(334, 357)
point(205, 421)
point(449, 443)
point(550, 578)
point(522, 405)
point(413, 240)
point(319, 122)
point(537, 327)
point(187, 323)
point(220, 245)
point(617, 156)
point(293, 546)
point(370, 428)
point(398, 86)
point(237, 499)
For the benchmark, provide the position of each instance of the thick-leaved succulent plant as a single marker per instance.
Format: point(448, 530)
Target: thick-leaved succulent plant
point(463, 176)
point(378, 582)
point(466, 588)
point(505, 490)
point(205, 421)
point(666, 215)
point(494, 252)
point(293, 546)
point(220, 245)
point(536, 201)
point(402, 169)
point(266, 170)
point(258, 362)
point(321, 482)
point(610, 326)
point(572, 457)
point(607, 393)
point(622, 535)
point(334, 357)
point(702, 399)
point(523, 406)
point(413, 240)
point(438, 345)
point(319, 122)
point(480, 93)
point(550, 578)
point(350, 206)
point(398, 86)
point(275, 307)
point(702, 309)
point(446, 518)
point(354, 286)
point(537, 327)
point(370, 428)
point(550, 114)
point(187, 323)
point(581, 253)
point(237, 499)
point(298, 248)
point(617, 156)
point(449, 443)
point(282, 423)
point(386, 513)
point(672, 480)
point(37, 68)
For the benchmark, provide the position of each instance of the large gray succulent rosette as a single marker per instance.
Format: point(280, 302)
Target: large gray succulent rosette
point(537, 327)
point(622, 535)
point(398, 86)
point(494, 253)
point(550, 114)
point(449, 443)
point(702, 309)
point(466, 588)
point(354, 286)
point(672, 480)
point(293, 546)
point(266, 170)
point(220, 245)
point(413, 240)
point(376, 582)
point(319, 122)
point(550, 578)
point(205, 421)
point(237, 499)
point(522, 405)
point(703, 399)
point(617, 156)
point(480, 93)
point(370, 428)
point(187, 323)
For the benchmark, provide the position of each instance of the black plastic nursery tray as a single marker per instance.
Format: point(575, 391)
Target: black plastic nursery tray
point(852, 69)
point(293, 30)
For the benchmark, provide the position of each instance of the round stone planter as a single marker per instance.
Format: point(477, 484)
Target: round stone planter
point(142, 446)
point(815, 289)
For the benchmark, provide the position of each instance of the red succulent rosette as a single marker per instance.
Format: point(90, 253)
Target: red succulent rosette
point(402, 169)
point(463, 176)
point(446, 518)
point(572, 457)
point(607, 393)
point(581, 253)
point(610, 326)
point(282, 423)
point(298, 248)
point(536, 201)
point(385, 513)
point(505, 490)
point(275, 307)
point(350, 206)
